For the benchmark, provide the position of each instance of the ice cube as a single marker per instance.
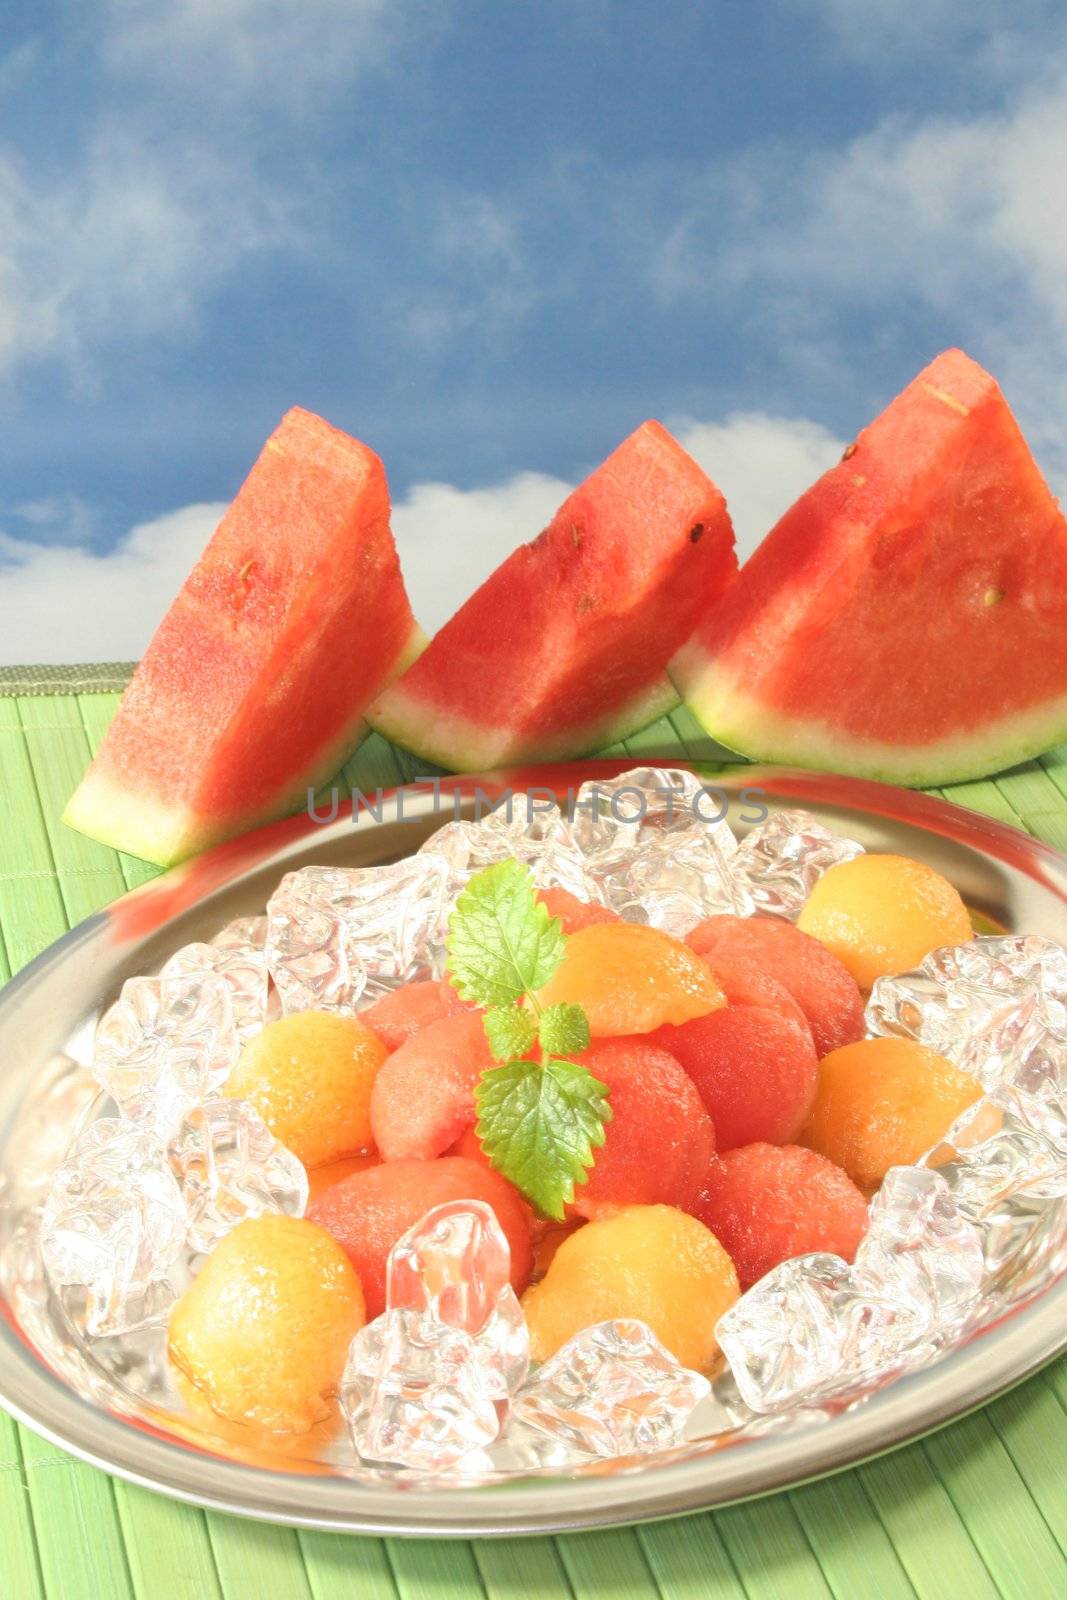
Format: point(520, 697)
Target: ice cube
point(416, 1392)
point(242, 967)
point(1008, 1178)
point(997, 1008)
point(920, 1249)
point(657, 842)
point(782, 859)
point(428, 1382)
point(815, 1327)
point(454, 1267)
point(785, 1337)
point(529, 832)
point(612, 1390)
point(114, 1224)
point(230, 1166)
point(165, 1045)
point(453, 1264)
point(243, 933)
point(1024, 1051)
point(961, 990)
point(337, 935)
point(667, 797)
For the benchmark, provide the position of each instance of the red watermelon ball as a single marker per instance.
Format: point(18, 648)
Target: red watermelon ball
point(743, 984)
point(766, 1203)
point(573, 912)
point(423, 1096)
point(755, 1070)
point(404, 1012)
point(822, 987)
point(469, 1146)
point(368, 1212)
point(660, 1138)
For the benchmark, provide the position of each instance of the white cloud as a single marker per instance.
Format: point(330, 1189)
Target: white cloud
point(268, 54)
point(451, 539)
point(65, 518)
point(955, 223)
point(162, 200)
point(124, 245)
point(476, 281)
point(60, 602)
point(17, 64)
point(63, 603)
point(761, 463)
point(884, 29)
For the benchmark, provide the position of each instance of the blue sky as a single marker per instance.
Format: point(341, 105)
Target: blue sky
point(490, 238)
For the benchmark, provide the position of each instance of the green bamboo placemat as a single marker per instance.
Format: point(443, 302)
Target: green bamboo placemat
point(979, 1509)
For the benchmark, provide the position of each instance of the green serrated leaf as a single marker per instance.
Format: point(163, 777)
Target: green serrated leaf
point(539, 1126)
point(564, 1030)
point(502, 942)
point(511, 1030)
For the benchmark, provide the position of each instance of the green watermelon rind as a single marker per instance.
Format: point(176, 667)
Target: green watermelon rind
point(138, 825)
point(459, 744)
point(741, 722)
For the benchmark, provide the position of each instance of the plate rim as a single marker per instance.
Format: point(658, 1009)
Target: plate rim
point(987, 1365)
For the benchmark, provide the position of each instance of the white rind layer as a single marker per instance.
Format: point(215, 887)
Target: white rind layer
point(745, 724)
point(137, 824)
point(460, 744)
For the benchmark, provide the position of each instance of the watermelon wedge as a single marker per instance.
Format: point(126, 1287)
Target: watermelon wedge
point(564, 648)
point(907, 617)
point(255, 684)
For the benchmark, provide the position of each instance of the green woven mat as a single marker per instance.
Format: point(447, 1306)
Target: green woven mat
point(979, 1509)
point(96, 677)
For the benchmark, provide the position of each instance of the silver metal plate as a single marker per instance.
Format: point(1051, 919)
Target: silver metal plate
point(47, 1015)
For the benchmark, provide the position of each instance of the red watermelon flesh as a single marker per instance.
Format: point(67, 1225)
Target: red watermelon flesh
point(907, 617)
point(564, 648)
point(254, 686)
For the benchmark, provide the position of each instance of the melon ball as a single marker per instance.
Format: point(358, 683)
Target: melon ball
point(469, 1146)
point(755, 1070)
point(766, 1203)
point(660, 1138)
point(310, 1077)
point(423, 1095)
point(650, 1262)
point(396, 1016)
point(572, 912)
point(745, 984)
point(294, 1451)
point(631, 979)
point(882, 914)
point(882, 1103)
point(370, 1211)
point(322, 1178)
point(822, 987)
point(547, 1238)
point(263, 1330)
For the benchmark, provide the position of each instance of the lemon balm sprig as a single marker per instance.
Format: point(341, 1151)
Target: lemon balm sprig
point(541, 1115)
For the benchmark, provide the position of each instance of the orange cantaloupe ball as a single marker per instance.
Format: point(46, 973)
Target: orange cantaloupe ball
point(883, 1103)
point(654, 1263)
point(263, 1330)
point(310, 1077)
point(631, 979)
point(881, 914)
